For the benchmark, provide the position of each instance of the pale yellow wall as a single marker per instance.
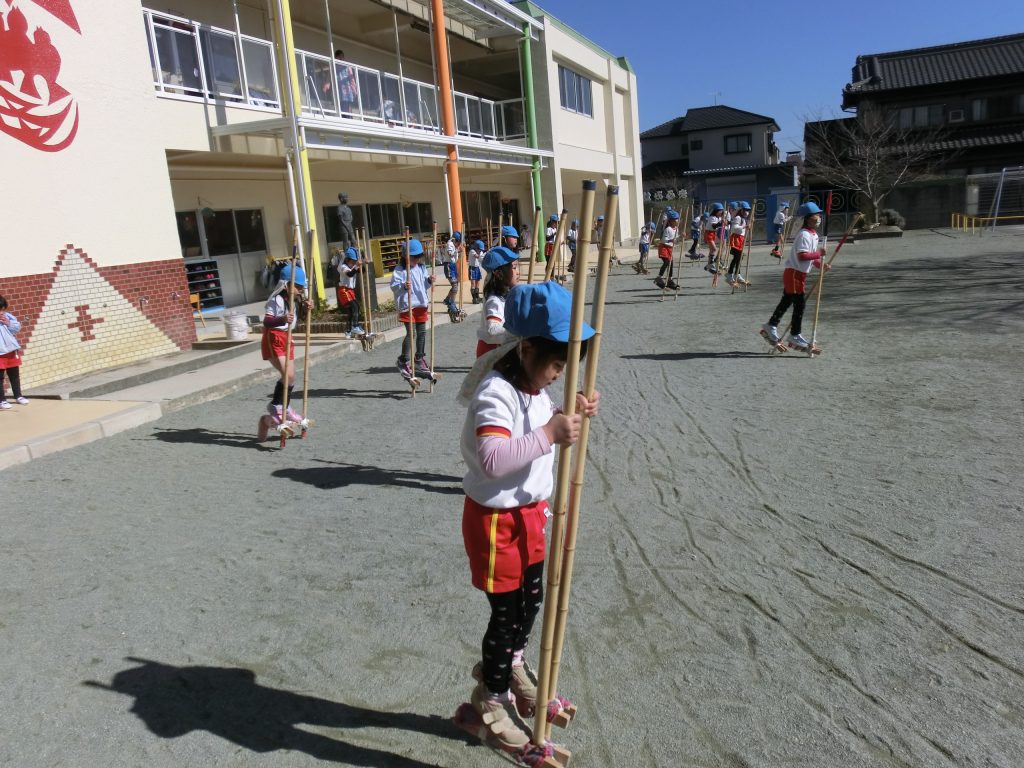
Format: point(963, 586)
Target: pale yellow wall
point(108, 192)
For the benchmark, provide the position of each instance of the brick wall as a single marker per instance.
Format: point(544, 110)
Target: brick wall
point(80, 317)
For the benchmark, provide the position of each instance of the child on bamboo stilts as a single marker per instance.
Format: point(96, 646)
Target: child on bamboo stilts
point(451, 271)
point(695, 225)
point(507, 443)
point(665, 248)
point(410, 276)
point(277, 320)
point(646, 235)
point(781, 217)
point(348, 271)
point(714, 223)
point(549, 236)
point(502, 267)
point(737, 237)
point(475, 258)
point(804, 254)
point(571, 238)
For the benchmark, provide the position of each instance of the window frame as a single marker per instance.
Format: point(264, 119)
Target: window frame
point(749, 139)
point(575, 92)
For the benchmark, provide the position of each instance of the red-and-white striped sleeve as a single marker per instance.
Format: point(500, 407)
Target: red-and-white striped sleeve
point(493, 430)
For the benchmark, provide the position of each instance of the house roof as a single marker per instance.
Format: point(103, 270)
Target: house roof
point(953, 63)
point(706, 118)
point(678, 168)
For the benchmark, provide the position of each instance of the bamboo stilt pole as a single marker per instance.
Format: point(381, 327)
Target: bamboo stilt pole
point(412, 328)
point(371, 285)
point(681, 241)
point(748, 241)
point(288, 343)
point(533, 243)
point(305, 351)
point(460, 266)
point(580, 454)
point(545, 690)
point(433, 271)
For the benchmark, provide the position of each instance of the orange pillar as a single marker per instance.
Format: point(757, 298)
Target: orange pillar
point(447, 98)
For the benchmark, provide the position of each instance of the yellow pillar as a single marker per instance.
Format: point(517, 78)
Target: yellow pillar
point(291, 107)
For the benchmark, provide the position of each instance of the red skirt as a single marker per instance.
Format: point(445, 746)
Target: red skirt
point(419, 315)
point(709, 237)
point(793, 281)
point(274, 343)
point(345, 295)
point(665, 252)
point(501, 543)
point(10, 360)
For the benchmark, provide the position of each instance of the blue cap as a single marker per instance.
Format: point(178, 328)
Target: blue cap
point(808, 209)
point(785, 204)
point(509, 231)
point(498, 257)
point(479, 246)
point(541, 309)
point(575, 222)
point(553, 217)
point(651, 225)
point(415, 247)
point(600, 218)
point(673, 215)
point(717, 207)
point(744, 205)
point(456, 235)
point(300, 275)
point(351, 253)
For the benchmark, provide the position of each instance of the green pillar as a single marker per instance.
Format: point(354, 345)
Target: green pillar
point(531, 116)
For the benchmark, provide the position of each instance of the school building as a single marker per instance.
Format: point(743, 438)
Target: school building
point(156, 157)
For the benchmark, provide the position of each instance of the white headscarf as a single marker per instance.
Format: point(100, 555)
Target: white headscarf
point(483, 365)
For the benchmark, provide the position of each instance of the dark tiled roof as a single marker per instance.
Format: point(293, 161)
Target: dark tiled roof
point(993, 136)
point(706, 118)
point(970, 60)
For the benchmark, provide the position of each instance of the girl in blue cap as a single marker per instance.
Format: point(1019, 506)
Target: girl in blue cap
point(502, 266)
point(451, 271)
point(508, 445)
point(571, 237)
point(277, 320)
point(737, 238)
point(348, 272)
point(549, 236)
point(646, 235)
point(476, 255)
point(781, 217)
point(410, 277)
point(802, 257)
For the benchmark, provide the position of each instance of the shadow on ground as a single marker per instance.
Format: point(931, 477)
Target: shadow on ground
point(341, 475)
point(229, 703)
point(201, 436)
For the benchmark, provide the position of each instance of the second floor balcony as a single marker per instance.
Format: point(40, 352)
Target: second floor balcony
point(195, 61)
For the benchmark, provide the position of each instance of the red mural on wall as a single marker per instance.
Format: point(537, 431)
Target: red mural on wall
point(34, 107)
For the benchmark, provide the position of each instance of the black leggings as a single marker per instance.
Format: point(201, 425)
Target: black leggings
point(797, 300)
point(734, 264)
point(14, 374)
point(666, 266)
point(508, 631)
point(421, 341)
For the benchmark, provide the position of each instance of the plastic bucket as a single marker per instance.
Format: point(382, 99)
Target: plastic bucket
point(236, 327)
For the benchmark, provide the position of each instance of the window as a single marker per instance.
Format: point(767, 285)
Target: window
point(737, 143)
point(928, 115)
point(418, 217)
point(385, 219)
point(684, 151)
point(574, 92)
point(696, 144)
point(188, 234)
point(979, 109)
point(251, 235)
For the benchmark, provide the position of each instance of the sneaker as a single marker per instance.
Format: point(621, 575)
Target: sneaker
point(422, 366)
point(798, 341)
point(274, 411)
point(358, 331)
point(294, 416)
point(741, 279)
point(770, 331)
point(499, 716)
point(5, 406)
point(404, 368)
point(660, 282)
point(672, 285)
point(21, 400)
point(713, 270)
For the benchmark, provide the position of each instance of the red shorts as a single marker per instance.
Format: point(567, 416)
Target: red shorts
point(501, 543)
point(736, 242)
point(419, 315)
point(482, 347)
point(665, 252)
point(709, 237)
point(549, 248)
point(274, 342)
point(793, 280)
point(345, 295)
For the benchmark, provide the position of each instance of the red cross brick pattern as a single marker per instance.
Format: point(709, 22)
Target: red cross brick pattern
point(85, 322)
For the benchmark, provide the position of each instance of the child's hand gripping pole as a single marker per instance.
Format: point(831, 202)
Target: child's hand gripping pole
point(545, 689)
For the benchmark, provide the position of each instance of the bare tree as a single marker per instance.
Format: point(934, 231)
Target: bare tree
point(868, 153)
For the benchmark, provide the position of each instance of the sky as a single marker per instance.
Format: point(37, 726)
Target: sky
point(765, 57)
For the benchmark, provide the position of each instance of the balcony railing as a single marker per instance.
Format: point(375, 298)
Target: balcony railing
point(196, 61)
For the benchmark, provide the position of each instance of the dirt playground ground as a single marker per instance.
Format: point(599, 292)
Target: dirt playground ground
point(782, 561)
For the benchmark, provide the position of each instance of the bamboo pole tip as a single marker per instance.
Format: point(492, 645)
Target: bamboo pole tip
point(613, 190)
point(589, 185)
